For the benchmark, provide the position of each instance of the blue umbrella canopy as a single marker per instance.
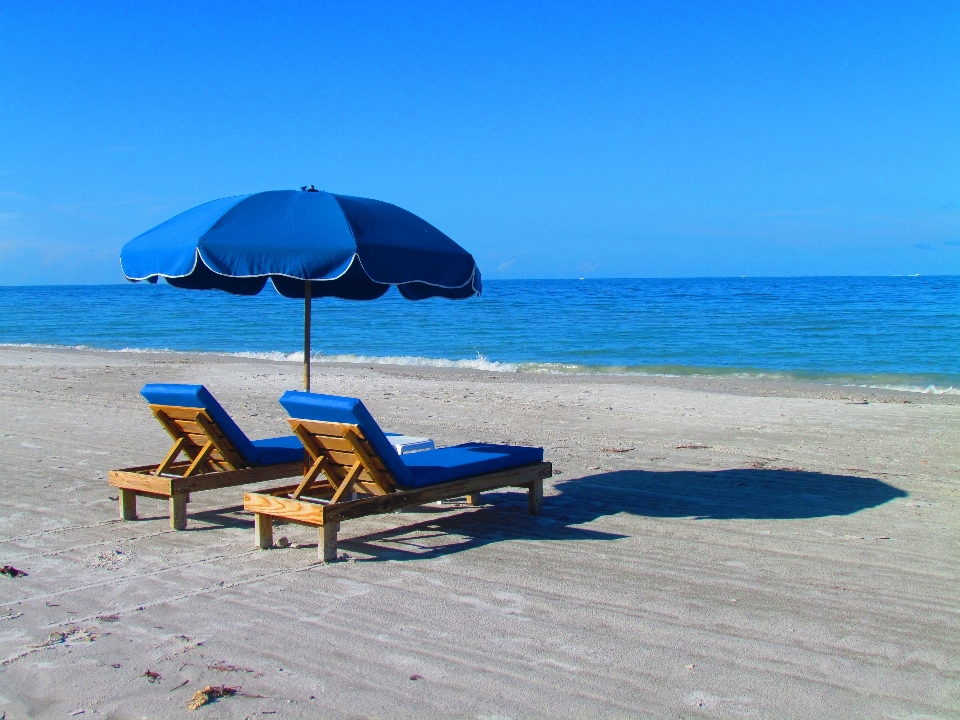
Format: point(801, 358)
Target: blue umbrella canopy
point(308, 244)
point(348, 247)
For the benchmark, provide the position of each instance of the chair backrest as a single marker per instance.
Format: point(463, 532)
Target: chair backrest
point(319, 408)
point(175, 402)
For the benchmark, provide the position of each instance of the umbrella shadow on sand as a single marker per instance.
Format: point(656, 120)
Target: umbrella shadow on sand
point(740, 494)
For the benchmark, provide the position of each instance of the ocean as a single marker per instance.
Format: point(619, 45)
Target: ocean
point(883, 332)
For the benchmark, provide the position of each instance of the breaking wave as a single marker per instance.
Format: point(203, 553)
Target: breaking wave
point(899, 383)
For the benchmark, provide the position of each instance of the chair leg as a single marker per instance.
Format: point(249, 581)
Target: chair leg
point(327, 547)
point(178, 511)
point(128, 504)
point(263, 524)
point(535, 497)
point(473, 499)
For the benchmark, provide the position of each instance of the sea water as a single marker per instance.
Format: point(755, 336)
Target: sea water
point(889, 332)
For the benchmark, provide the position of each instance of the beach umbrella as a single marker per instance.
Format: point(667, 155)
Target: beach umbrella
point(309, 244)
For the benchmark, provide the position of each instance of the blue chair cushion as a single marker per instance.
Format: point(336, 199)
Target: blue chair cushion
point(333, 408)
point(456, 462)
point(197, 396)
point(419, 469)
point(274, 451)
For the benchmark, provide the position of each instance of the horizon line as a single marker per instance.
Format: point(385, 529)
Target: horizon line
point(555, 279)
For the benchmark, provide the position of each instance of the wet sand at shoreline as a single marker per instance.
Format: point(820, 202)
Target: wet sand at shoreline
point(708, 548)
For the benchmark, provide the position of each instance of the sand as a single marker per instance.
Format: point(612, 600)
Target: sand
point(708, 549)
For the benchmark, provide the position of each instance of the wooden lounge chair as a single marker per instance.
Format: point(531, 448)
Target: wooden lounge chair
point(217, 453)
point(353, 471)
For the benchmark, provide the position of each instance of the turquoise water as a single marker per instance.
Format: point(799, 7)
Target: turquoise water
point(901, 332)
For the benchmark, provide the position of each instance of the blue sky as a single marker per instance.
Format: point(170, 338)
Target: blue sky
point(640, 139)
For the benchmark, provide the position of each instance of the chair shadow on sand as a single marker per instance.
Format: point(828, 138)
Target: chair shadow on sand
point(739, 494)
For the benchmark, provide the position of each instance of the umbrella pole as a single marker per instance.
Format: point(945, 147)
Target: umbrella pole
point(306, 335)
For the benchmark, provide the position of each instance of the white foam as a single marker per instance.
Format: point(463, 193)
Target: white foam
point(925, 389)
point(478, 363)
point(481, 362)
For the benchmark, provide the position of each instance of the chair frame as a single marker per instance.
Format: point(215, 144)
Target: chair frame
point(341, 464)
point(212, 462)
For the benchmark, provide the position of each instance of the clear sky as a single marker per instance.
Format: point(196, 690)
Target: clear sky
point(636, 139)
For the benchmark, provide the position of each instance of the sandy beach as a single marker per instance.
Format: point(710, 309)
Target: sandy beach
point(708, 549)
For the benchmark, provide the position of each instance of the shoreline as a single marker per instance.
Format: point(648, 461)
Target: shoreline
point(732, 383)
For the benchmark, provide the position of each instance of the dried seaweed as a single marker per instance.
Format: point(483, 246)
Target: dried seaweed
point(209, 694)
point(75, 633)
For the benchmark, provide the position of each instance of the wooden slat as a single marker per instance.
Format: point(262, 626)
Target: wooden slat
point(322, 461)
point(178, 412)
point(285, 490)
point(312, 476)
point(381, 478)
point(292, 510)
point(142, 468)
point(347, 483)
point(370, 487)
point(342, 445)
point(269, 501)
point(214, 462)
point(141, 480)
point(151, 469)
point(347, 459)
point(230, 478)
point(306, 439)
point(155, 496)
point(197, 428)
point(332, 443)
point(188, 426)
point(332, 434)
point(199, 460)
point(171, 457)
point(324, 491)
point(444, 491)
point(220, 441)
point(318, 427)
point(160, 413)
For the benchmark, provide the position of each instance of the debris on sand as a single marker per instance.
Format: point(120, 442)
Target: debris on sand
point(618, 450)
point(53, 638)
point(152, 676)
point(226, 667)
point(73, 634)
point(209, 694)
point(11, 571)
